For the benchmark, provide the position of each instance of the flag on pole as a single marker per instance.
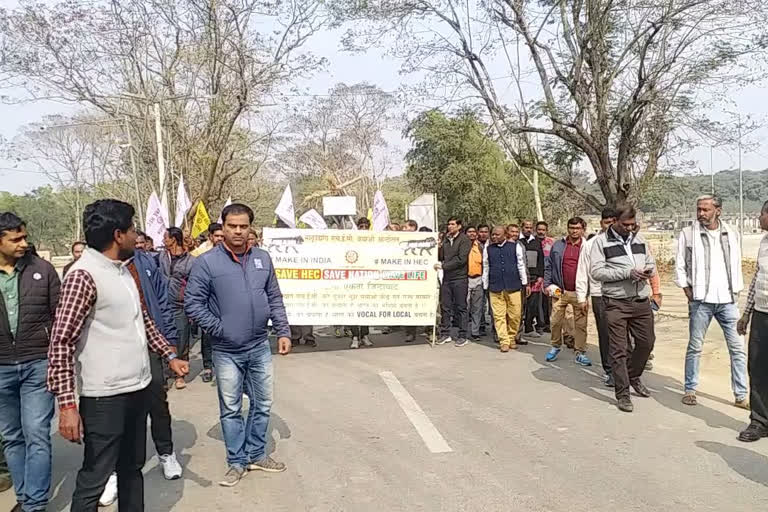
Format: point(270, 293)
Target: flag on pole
point(183, 204)
point(284, 210)
point(155, 224)
point(313, 219)
point(201, 222)
point(229, 202)
point(380, 212)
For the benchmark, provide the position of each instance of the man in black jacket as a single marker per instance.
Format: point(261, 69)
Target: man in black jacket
point(29, 293)
point(454, 257)
point(534, 255)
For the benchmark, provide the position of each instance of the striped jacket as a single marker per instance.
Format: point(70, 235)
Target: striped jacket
point(612, 261)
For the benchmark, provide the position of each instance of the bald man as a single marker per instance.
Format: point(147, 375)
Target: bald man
point(506, 280)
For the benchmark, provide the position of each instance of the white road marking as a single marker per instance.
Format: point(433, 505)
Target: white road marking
point(432, 438)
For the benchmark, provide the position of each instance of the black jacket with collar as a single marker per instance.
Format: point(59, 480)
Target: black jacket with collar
point(454, 255)
point(38, 297)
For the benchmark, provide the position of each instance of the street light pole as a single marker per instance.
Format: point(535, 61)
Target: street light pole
point(160, 157)
point(741, 192)
point(135, 174)
point(711, 170)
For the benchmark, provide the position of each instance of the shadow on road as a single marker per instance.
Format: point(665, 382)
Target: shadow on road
point(666, 390)
point(278, 429)
point(745, 462)
point(159, 493)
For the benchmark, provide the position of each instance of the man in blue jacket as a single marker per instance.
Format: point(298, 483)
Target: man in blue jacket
point(232, 293)
point(560, 269)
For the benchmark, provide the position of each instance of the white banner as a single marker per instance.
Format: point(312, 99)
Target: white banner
point(183, 204)
point(313, 219)
point(285, 209)
point(380, 212)
point(229, 202)
point(155, 223)
point(345, 277)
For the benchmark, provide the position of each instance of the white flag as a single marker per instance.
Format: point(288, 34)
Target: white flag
point(284, 210)
point(313, 219)
point(229, 202)
point(155, 224)
point(183, 204)
point(380, 212)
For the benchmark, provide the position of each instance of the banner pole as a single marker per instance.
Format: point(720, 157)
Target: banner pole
point(437, 290)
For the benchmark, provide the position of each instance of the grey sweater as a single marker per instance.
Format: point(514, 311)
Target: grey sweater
point(612, 261)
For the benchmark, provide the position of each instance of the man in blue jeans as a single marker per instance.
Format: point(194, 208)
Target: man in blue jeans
point(29, 289)
point(232, 293)
point(708, 266)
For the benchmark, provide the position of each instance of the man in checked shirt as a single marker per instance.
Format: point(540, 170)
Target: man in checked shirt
point(102, 328)
point(757, 311)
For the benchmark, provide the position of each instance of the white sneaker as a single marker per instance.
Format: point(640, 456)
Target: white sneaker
point(367, 341)
point(171, 466)
point(109, 496)
point(355, 343)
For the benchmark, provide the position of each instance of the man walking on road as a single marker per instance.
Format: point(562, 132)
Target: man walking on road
point(454, 257)
point(233, 294)
point(560, 273)
point(708, 268)
point(153, 292)
point(534, 256)
point(587, 286)
point(102, 331)
point(505, 279)
point(475, 283)
point(176, 264)
point(757, 310)
point(622, 263)
point(29, 292)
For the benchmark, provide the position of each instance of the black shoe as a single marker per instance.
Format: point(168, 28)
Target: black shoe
point(475, 338)
point(641, 389)
point(522, 341)
point(207, 375)
point(310, 342)
point(548, 330)
point(752, 433)
point(609, 383)
point(625, 405)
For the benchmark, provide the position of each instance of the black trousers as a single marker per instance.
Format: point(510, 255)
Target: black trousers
point(158, 407)
point(598, 309)
point(758, 368)
point(453, 304)
point(206, 350)
point(625, 318)
point(115, 430)
point(534, 310)
point(359, 331)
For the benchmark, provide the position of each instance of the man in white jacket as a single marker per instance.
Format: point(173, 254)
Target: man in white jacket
point(587, 286)
point(708, 268)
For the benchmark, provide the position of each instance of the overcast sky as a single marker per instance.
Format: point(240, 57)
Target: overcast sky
point(380, 71)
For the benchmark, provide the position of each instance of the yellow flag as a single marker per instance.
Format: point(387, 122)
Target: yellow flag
point(370, 218)
point(202, 220)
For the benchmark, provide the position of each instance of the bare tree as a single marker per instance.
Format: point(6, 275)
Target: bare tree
point(616, 79)
point(338, 143)
point(208, 64)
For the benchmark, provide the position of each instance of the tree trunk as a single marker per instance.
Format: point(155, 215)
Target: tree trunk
point(537, 195)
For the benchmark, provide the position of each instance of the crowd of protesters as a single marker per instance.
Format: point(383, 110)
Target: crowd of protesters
point(101, 344)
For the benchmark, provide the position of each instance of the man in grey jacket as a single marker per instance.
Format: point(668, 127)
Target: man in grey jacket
point(175, 264)
point(622, 263)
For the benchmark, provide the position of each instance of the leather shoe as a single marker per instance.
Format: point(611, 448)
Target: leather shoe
point(752, 433)
point(640, 389)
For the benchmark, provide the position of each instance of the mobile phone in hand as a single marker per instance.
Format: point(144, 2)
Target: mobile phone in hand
point(655, 305)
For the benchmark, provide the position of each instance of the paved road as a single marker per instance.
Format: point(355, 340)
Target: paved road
point(524, 435)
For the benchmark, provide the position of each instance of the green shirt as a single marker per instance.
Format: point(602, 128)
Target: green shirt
point(9, 287)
